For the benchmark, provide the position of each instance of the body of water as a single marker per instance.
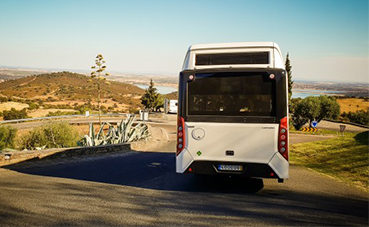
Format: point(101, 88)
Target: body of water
point(161, 89)
point(306, 93)
point(295, 93)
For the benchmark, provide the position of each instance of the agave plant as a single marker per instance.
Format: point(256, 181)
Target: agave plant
point(123, 133)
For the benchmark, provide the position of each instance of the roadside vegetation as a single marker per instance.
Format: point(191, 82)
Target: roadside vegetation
point(14, 114)
point(61, 113)
point(52, 135)
point(345, 157)
point(313, 109)
point(151, 99)
point(359, 117)
point(98, 78)
point(7, 136)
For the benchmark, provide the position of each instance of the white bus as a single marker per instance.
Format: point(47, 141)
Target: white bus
point(233, 111)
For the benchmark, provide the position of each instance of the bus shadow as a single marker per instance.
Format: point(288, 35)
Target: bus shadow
point(150, 170)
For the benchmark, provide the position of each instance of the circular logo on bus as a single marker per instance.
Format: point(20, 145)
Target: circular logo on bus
point(198, 133)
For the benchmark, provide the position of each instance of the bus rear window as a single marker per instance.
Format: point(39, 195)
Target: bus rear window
point(232, 58)
point(232, 94)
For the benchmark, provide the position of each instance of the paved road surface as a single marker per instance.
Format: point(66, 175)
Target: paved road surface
point(142, 188)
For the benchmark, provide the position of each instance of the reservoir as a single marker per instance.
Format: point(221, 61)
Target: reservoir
point(161, 89)
point(296, 93)
point(300, 93)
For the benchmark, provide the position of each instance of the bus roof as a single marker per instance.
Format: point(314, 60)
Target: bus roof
point(233, 45)
point(275, 54)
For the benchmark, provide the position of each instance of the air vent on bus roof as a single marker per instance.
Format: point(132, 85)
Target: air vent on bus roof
point(232, 58)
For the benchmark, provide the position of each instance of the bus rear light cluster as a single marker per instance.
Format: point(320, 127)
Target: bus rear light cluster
point(181, 137)
point(283, 138)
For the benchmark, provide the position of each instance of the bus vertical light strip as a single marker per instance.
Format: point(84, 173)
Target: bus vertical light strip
point(283, 138)
point(181, 136)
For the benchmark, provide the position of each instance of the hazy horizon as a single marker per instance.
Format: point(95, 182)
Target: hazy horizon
point(156, 74)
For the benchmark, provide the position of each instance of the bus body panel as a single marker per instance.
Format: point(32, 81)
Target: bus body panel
point(183, 161)
point(245, 142)
point(280, 166)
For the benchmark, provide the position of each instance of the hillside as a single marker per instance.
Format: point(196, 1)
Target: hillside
point(70, 88)
point(63, 85)
point(173, 95)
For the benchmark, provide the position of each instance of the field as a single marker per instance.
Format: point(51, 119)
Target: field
point(353, 104)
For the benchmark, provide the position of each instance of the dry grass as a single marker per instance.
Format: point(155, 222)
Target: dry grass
point(44, 112)
point(15, 105)
point(352, 104)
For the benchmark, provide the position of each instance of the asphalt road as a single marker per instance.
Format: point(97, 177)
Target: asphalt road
point(142, 188)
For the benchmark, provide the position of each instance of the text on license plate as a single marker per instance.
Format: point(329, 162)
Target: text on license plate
point(230, 167)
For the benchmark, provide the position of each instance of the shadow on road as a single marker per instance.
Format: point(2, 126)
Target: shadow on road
point(221, 201)
point(149, 170)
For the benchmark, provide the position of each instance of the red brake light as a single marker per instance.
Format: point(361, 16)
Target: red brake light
point(283, 138)
point(181, 136)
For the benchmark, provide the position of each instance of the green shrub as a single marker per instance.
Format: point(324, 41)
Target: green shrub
point(33, 106)
point(61, 113)
point(3, 99)
point(15, 114)
point(360, 117)
point(35, 138)
point(52, 135)
point(7, 135)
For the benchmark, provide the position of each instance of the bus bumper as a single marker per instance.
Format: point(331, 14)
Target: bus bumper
point(278, 167)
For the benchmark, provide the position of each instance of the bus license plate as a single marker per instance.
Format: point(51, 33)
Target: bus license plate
point(230, 167)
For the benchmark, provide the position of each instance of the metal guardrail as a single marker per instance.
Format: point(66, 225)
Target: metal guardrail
point(349, 123)
point(58, 117)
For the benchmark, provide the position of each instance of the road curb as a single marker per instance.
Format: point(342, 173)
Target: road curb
point(9, 158)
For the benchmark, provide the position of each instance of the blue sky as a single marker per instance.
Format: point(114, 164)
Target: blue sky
point(327, 40)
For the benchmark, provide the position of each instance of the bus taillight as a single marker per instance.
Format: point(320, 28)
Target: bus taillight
point(181, 136)
point(283, 138)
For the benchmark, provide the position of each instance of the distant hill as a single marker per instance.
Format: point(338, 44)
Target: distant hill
point(15, 73)
point(172, 96)
point(67, 86)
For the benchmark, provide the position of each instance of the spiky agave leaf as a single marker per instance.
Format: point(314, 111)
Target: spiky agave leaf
point(123, 133)
point(100, 134)
point(91, 133)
